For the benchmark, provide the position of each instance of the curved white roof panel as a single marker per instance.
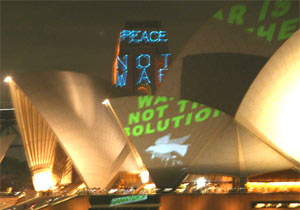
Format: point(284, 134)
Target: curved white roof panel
point(71, 104)
point(176, 137)
point(271, 105)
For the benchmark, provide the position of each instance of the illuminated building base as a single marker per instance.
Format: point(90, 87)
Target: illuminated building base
point(245, 201)
point(268, 187)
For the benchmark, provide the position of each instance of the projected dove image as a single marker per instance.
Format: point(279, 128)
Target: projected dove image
point(164, 147)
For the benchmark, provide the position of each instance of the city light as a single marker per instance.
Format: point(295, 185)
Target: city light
point(150, 186)
point(273, 205)
point(105, 102)
point(294, 205)
point(259, 205)
point(200, 182)
point(111, 191)
point(7, 79)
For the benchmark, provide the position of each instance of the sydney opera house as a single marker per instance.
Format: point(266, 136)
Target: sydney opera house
point(221, 117)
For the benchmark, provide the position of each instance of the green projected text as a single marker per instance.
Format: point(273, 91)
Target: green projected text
point(151, 115)
point(281, 27)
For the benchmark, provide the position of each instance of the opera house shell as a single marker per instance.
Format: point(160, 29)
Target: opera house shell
point(5, 143)
point(228, 106)
point(64, 124)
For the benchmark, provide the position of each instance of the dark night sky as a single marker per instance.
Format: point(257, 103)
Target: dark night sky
point(81, 36)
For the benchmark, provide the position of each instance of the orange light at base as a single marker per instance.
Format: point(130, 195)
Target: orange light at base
point(267, 187)
point(294, 205)
point(260, 205)
point(144, 176)
point(7, 79)
point(43, 181)
point(201, 182)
